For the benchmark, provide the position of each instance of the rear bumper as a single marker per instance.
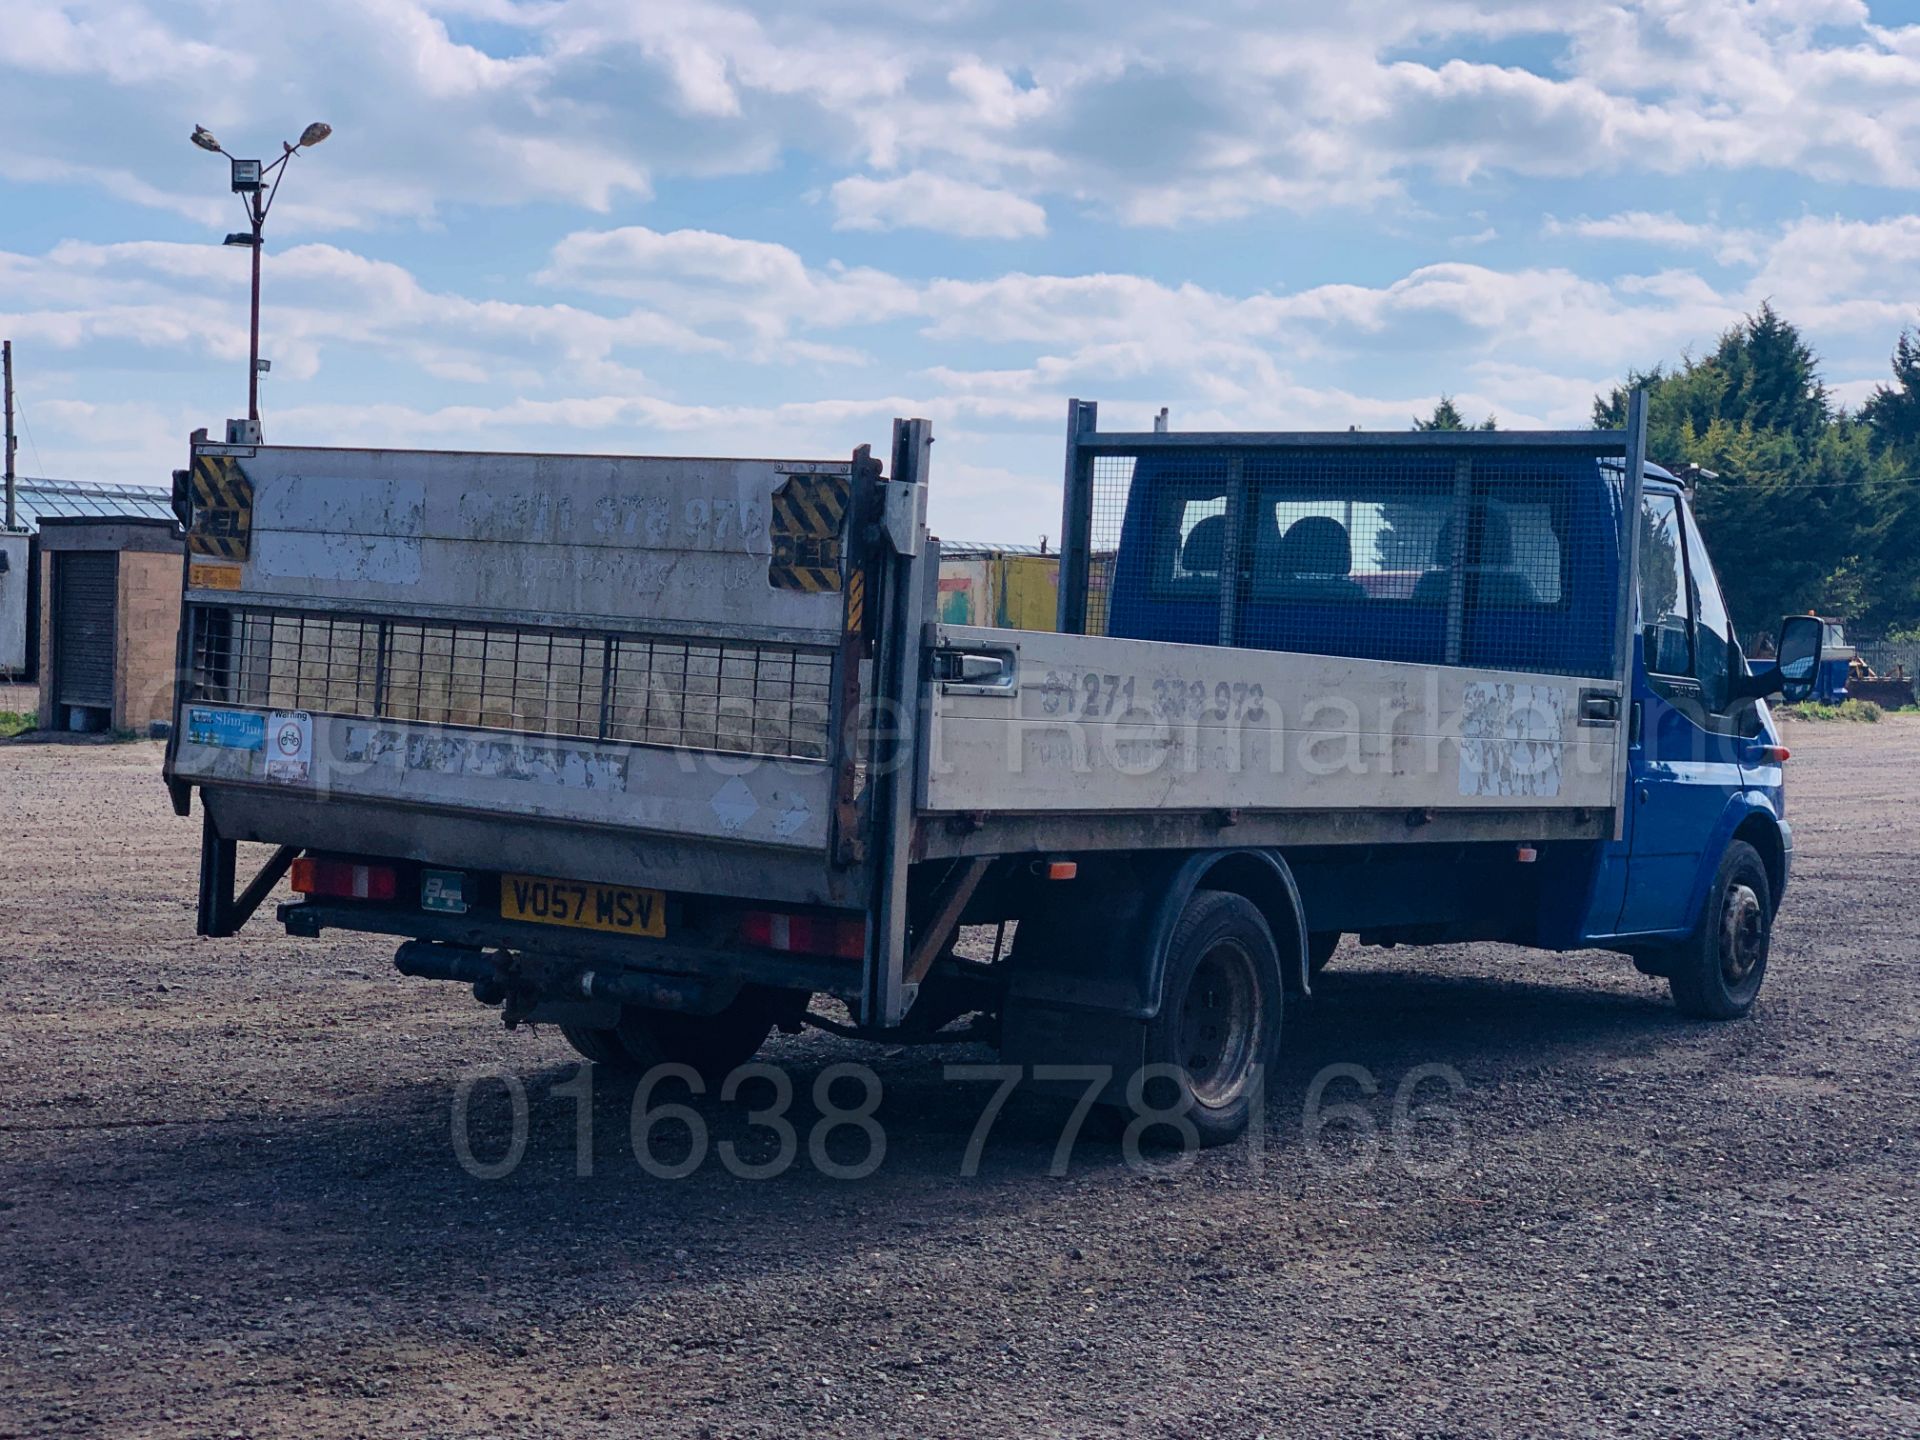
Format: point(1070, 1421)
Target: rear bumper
point(534, 843)
point(553, 948)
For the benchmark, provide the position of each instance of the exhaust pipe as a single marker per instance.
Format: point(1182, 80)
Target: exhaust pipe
point(431, 960)
point(690, 994)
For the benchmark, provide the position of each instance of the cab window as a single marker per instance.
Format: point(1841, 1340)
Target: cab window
point(1710, 626)
point(1665, 615)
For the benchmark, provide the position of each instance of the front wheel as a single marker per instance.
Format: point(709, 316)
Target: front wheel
point(1219, 1019)
point(1717, 973)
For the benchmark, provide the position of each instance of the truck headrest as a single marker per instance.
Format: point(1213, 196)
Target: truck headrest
point(1205, 547)
point(1316, 545)
point(1496, 540)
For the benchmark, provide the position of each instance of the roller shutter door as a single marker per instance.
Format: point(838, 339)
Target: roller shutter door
point(84, 586)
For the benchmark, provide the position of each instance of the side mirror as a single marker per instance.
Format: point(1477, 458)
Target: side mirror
point(1798, 665)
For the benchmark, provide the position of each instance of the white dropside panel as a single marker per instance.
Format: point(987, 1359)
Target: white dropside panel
point(684, 793)
point(1092, 724)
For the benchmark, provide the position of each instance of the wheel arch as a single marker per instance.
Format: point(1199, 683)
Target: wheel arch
point(1261, 877)
point(1087, 973)
point(1099, 943)
point(1747, 817)
point(1761, 830)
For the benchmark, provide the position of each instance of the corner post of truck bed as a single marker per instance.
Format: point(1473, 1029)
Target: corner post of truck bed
point(897, 702)
point(1076, 519)
point(1632, 480)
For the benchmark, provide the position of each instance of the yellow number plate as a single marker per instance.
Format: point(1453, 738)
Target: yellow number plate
point(620, 909)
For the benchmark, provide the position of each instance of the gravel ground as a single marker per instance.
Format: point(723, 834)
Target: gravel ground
point(230, 1203)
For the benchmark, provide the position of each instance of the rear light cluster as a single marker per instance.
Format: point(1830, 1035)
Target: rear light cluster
point(344, 879)
point(805, 934)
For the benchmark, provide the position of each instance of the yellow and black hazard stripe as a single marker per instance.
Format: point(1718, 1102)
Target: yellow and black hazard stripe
point(857, 602)
point(222, 508)
point(808, 513)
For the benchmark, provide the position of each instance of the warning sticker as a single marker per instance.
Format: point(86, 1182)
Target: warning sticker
point(289, 745)
point(205, 575)
point(808, 512)
point(222, 509)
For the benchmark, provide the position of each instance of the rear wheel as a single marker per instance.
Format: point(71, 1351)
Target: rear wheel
point(1716, 974)
point(1219, 1018)
point(712, 1044)
point(602, 1047)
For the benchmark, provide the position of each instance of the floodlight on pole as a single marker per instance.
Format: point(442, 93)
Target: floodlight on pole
point(256, 197)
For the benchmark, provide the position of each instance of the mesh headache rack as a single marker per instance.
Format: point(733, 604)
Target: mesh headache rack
point(1497, 550)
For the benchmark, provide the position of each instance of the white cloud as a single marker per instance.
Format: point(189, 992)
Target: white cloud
point(924, 201)
point(984, 115)
point(1727, 245)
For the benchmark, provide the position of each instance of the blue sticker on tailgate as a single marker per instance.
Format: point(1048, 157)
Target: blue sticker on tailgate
point(227, 729)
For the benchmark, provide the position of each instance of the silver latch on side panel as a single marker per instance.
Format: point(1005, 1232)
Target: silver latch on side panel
point(974, 671)
point(1599, 707)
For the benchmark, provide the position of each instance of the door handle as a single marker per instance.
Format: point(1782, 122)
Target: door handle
point(975, 671)
point(1599, 707)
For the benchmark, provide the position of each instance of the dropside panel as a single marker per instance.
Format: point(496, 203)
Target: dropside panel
point(1093, 724)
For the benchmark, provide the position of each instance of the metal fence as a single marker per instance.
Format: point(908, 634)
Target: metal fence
point(1890, 656)
point(1493, 550)
point(733, 696)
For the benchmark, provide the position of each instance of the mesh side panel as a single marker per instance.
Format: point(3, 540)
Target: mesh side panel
point(756, 699)
point(734, 696)
point(1492, 558)
point(1168, 542)
point(1112, 484)
point(1349, 555)
point(1540, 588)
point(285, 661)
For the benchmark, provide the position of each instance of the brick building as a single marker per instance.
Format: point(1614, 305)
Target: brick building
point(107, 629)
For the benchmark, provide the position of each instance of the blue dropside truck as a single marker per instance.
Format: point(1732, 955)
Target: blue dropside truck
point(666, 751)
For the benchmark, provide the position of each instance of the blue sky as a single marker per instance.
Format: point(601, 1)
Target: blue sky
point(690, 226)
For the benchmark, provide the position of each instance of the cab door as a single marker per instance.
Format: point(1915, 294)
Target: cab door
point(1684, 755)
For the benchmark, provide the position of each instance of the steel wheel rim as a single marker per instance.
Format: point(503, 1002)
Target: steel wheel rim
point(1743, 933)
point(1220, 1018)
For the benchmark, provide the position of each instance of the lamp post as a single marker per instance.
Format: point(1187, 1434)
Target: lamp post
point(256, 198)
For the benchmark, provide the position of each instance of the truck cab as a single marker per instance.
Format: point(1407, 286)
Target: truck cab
point(1705, 763)
point(1390, 554)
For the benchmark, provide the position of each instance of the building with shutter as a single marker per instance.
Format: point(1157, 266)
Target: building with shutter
point(37, 499)
point(110, 611)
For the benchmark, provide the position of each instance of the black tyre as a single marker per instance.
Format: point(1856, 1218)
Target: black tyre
point(1716, 974)
point(712, 1044)
point(1218, 1026)
point(602, 1047)
point(1320, 947)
